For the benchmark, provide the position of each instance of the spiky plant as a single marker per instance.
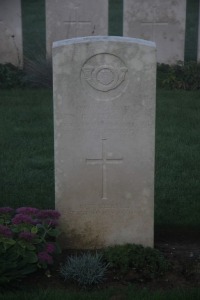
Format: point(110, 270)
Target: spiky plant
point(87, 269)
point(38, 71)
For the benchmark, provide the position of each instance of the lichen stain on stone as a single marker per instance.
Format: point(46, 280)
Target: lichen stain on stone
point(85, 238)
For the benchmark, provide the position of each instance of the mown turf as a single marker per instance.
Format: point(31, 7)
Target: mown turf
point(129, 293)
point(34, 31)
point(26, 142)
point(116, 17)
point(177, 186)
point(191, 34)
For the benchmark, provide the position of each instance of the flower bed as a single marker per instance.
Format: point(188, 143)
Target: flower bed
point(27, 241)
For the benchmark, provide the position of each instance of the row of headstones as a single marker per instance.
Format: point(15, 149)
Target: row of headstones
point(155, 20)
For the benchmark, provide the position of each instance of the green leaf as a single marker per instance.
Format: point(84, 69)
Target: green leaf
point(34, 229)
point(10, 242)
point(29, 269)
point(31, 256)
point(37, 241)
point(22, 244)
point(30, 247)
point(54, 232)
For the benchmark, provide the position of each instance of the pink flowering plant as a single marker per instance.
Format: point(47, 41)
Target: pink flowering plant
point(27, 241)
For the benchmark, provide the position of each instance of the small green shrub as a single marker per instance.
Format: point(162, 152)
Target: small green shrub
point(11, 76)
point(86, 269)
point(37, 72)
point(145, 260)
point(27, 243)
point(181, 76)
point(162, 73)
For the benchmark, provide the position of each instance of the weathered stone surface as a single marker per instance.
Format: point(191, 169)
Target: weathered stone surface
point(10, 32)
point(160, 21)
point(75, 18)
point(104, 115)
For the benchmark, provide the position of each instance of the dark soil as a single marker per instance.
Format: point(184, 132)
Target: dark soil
point(182, 249)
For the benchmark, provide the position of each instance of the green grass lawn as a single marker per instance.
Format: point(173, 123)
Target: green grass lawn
point(33, 20)
point(191, 35)
point(27, 176)
point(177, 185)
point(26, 148)
point(116, 17)
point(126, 293)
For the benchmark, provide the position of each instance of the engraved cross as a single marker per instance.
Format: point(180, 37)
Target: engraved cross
point(154, 23)
point(104, 161)
point(76, 23)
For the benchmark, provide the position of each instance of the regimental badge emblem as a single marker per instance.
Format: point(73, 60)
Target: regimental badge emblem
point(104, 78)
point(105, 73)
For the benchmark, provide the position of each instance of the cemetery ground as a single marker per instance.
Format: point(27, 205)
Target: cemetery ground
point(27, 179)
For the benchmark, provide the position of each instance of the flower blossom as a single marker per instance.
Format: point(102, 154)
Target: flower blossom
point(6, 210)
point(21, 218)
point(27, 210)
point(5, 231)
point(48, 214)
point(50, 248)
point(44, 257)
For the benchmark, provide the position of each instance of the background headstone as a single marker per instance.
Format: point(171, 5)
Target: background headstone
point(104, 114)
point(11, 32)
point(75, 18)
point(160, 21)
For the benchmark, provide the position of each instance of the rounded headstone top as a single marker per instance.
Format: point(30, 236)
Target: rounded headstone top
point(94, 39)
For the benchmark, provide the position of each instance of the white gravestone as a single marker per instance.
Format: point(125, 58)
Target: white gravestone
point(11, 32)
point(104, 120)
point(160, 21)
point(75, 18)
